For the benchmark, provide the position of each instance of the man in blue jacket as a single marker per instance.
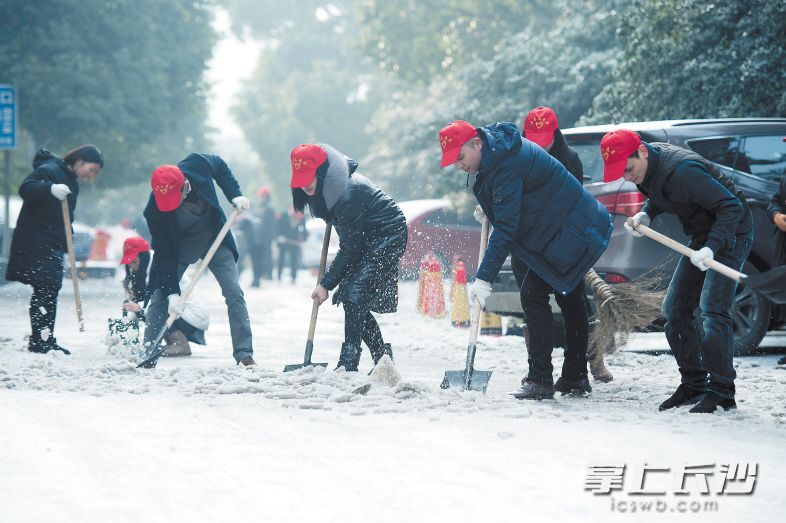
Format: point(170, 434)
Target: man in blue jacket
point(184, 218)
point(543, 217)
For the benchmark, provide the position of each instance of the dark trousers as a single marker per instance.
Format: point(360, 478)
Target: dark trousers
point(292, 252)
point(43, 310)
point(540, 324)
point(360, 324)
point(705, 361)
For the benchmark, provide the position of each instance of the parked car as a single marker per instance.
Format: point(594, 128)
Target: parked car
point(435, 226)
point(751, 151)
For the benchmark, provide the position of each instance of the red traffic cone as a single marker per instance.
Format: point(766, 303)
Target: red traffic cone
point(459, 303)
point(431, 300)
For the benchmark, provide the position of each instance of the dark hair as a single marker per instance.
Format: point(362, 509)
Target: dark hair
point(88, 153)
point(316, 203)
point(634, 154)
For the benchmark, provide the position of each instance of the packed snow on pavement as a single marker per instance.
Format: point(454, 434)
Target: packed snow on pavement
point(89, 437)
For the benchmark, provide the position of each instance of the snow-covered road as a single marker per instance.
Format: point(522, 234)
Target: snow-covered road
point(91, 438)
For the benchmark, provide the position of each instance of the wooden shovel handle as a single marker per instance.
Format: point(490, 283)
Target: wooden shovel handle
point(322, 263)
point(72, 262)
point(687, 251)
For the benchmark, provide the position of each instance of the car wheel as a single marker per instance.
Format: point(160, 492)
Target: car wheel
point(751, 316)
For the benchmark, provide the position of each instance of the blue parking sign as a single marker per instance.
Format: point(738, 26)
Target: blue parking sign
point(8, 115)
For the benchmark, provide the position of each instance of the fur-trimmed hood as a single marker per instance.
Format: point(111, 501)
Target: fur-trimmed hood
point(340, 168)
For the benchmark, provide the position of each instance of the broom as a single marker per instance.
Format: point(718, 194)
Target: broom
point(622, 309)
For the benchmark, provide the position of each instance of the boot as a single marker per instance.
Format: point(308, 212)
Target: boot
point(176, 345)
point(599, 370)
point(684, 395)
point(247, 361)
point(575, 387)
point(349, 358)
point(378, 352)
point(782, 361)
point(51, 344)
point(710, 402)
point(37, 345)
point(531, 390)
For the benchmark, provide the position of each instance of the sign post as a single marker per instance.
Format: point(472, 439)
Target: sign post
point(8, 119)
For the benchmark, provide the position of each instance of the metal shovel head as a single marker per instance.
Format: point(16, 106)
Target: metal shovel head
point(296, 366)
point(456, 379)
point(771, 284)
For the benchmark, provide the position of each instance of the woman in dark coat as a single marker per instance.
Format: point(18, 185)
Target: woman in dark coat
point(372, 233)
point(39, 238)
point(136, 258)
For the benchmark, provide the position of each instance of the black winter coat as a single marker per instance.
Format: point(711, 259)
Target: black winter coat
point(562, 152)
point(681, 182)
point(372, 234)
point(778, 204)
point(39, 238)
point(200, 170)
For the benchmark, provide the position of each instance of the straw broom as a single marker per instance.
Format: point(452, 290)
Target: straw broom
point(623, 308)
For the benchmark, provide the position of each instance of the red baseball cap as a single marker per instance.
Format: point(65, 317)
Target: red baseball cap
point(452, 137)
point(132, 247)
point(263, 191)
point(167, 181)
point(539, 126)
point(616, 147)
point(306, 159)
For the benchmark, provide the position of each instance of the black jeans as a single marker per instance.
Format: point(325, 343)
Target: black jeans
point(710, 355)
point(292, 252)
point(43, 310)
point(540, 324)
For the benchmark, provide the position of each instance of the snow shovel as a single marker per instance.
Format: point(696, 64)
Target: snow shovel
point(156, 350)
point(469, 378)
point(771, 284)
point(72, 263)
point(314, 311)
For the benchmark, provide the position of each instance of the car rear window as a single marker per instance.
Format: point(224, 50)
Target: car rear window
point(591, 160)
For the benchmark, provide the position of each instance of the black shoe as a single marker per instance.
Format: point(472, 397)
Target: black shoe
point(710, 402)
point(248, 361)
point(349, 358)
point(531, 390)
point(573, 387)
point(51, 343)
point(684, 395)
point(782, 361)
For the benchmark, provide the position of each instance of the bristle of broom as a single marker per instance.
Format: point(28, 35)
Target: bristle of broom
point(633, 305)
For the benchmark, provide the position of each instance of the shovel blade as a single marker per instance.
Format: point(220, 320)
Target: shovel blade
point(456, 379)
point(297, 366)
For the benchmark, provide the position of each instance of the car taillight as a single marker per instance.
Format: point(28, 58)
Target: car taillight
point(625, 203)
point(615, 278)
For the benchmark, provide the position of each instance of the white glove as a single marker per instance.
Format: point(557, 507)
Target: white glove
point(478, 214)
point(641, 218)
point(698, 257)
point(60, 191)
point(480, 290)
point(241, 203)
point(175, 307)
point(131, 316)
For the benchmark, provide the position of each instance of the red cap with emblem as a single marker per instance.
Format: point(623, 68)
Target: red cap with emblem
point(616, 147)
point(452, 137)
point(167, 181)
point(132, 247)
point(540, 125)
point(306, 159)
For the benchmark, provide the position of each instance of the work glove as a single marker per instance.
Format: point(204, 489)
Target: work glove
point(478, 214)
point(60, 191)
point(481, 290)
point(698, 258)
point(175, 307)
point(241, 203)
point(641, 218)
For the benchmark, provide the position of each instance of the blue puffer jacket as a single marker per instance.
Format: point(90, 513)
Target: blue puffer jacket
point(541, 214)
